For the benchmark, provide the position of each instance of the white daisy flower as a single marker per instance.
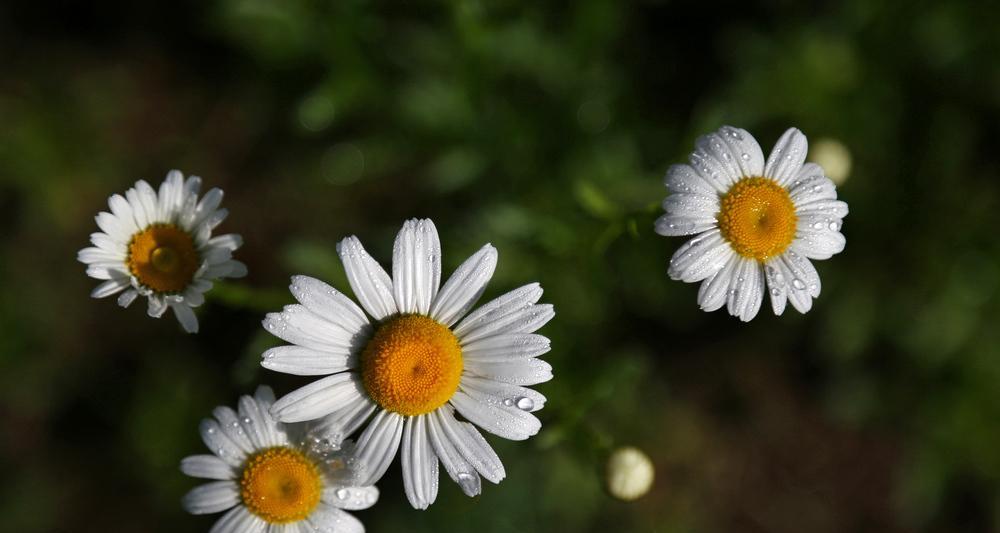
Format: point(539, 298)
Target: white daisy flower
point(415, 363)
point(758, 224)
point(160, 246)
point(266, 482)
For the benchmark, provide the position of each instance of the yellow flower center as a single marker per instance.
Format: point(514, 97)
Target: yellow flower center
point(758, 219)
point(412, 365)
point(280, 485)
point(163, 258)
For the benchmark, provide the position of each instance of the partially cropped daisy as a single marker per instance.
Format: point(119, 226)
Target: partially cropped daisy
point(160, 245)
point(265, 481)
point(415, 362)
point(757, 224)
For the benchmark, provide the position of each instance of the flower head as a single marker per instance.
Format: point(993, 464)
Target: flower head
point(160, 245)
point(757, 223)
point(419, 358)
point(266, 481)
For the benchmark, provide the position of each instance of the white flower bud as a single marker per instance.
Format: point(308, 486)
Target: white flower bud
point(834, 157)
point(630, 473)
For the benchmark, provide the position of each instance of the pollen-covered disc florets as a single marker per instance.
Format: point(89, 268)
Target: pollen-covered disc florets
point(758, 219)
point(280, 485)
point(412, 365)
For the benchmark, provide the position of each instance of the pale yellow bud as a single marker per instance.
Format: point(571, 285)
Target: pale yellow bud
point(834, 157)
point(630, 473)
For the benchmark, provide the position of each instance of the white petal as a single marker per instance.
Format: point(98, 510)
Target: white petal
point(122, 209)
point(464, 287)
point(377, 446)
point(420, 465)
point(811, 185)
point(328, 303)
point(685, 179)
point(351, 498)
point(126, 298)
point(211, 497)
point(714, 290)
point(834, 209)
point(318, 398)
point(106, 243)
point(500, 420)
point(500, 348)
point(301, 361)
point(157, 305)
point(744, 150)
point(470, 444)
point(459, 469)
point(679, 225)
point(229, 241)
point(506, 394)
point(416, 266)
point(220, 444)
point(818, 244)
point(239, 520)
point(514, 312)
point(229, 423)
point(692, 205)
point(298, 325)
point(113, 227)
point(518, 372)
point(186, 317)
point(715, 163)
point(207, 467)
point(347, 419)
point(787, 157)
point(147, 196)
point(109, 287)
point(327, 518)
point(700, 257)
point(95, 255)
point(171, 193)
point(777, 286)
point(370, 283)
point(746, 290)
point(799, 274)
point(257, 423)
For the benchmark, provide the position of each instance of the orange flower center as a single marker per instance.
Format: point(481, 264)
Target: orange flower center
point(280, 485)
point(163, 258)
point(758, 219)
point(412, 365)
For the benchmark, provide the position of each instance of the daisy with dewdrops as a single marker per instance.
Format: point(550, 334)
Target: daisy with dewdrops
point(417, 360)
point(264, 481)
point(757, 223)
point(159, 245)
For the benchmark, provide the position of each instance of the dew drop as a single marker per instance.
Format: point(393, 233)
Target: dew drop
point(525, 404)
point(798, 284)
point(343, 494)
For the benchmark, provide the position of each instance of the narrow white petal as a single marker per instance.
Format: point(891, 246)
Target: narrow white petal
point(207, 467)
point(106, 243)
point(298, 325)
point(803, 271)
point(229, 423)
point(700, 257)
point(377, 446)
point(685, 179)
point(811, 185)
point(113, 227)
point(698, 206)
point(126, 298)
point(796, 274)
point(256, 422)
point(505, 304)
point(147, 196)
point(351, 498)
point(328, 303)
point(95, 255)
point(211, 497)
point(220, 444)
point(370, 283)
point(318, 398)
point(517, 372)
point(239, 520)
point(500, 420)
point(170, 193)
point(510, 396)
point(514, 312)
point(470, 444)
point(328, 518)
point(501, 348)
point(714, 290)
point(465, 286)
point(416, 266)
point(777, 286)
point(819, 244)
point(156, 305)
point(348, 418)
point(122, 209)
point(671, 225)
point(185, 315)
point(744, 150)
point(459, 469)
point(301, 361)
point(715, 162)
point(229, 241)
point(420, 464)
point(142, 218)
point(787, 157)
point(110, 287)
point(746, 290)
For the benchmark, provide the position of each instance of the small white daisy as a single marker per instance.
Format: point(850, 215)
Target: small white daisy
point(160, 246)
point(758, 224)
point(266, 482)
point(416, 363)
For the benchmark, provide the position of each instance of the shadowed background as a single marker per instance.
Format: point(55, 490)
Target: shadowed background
point(545, 130)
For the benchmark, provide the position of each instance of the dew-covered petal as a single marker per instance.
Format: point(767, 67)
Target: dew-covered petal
point(302, 361)
point(327, 518)
point(470, 444)
point(510, 396)
point(685, 179)
point(298, 325)
point(318, 398)
point(420, 464)
point(491, 414)
point(328, 303)
point(211, 497)
point(464, 287)
point(220, 444)
point(344, 421)
point(207, 467)
point(368, 279)
point(351, 498)
point(377, 447)
point(506, 347)
point(700, 257)
point(459, 469)
point(746, 290)
point(787, 157)
point(821, 243)
point(714, 290)
point(416, 266)
point(239, 520)
point(777, 285)
point(517, 372)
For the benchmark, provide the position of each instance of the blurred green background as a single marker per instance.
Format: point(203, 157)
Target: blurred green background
point(544, 128)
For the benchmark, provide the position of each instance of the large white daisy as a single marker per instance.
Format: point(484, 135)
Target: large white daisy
point(267, 482)
point(757, 224)
point(160, 245)
point(415, 363)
